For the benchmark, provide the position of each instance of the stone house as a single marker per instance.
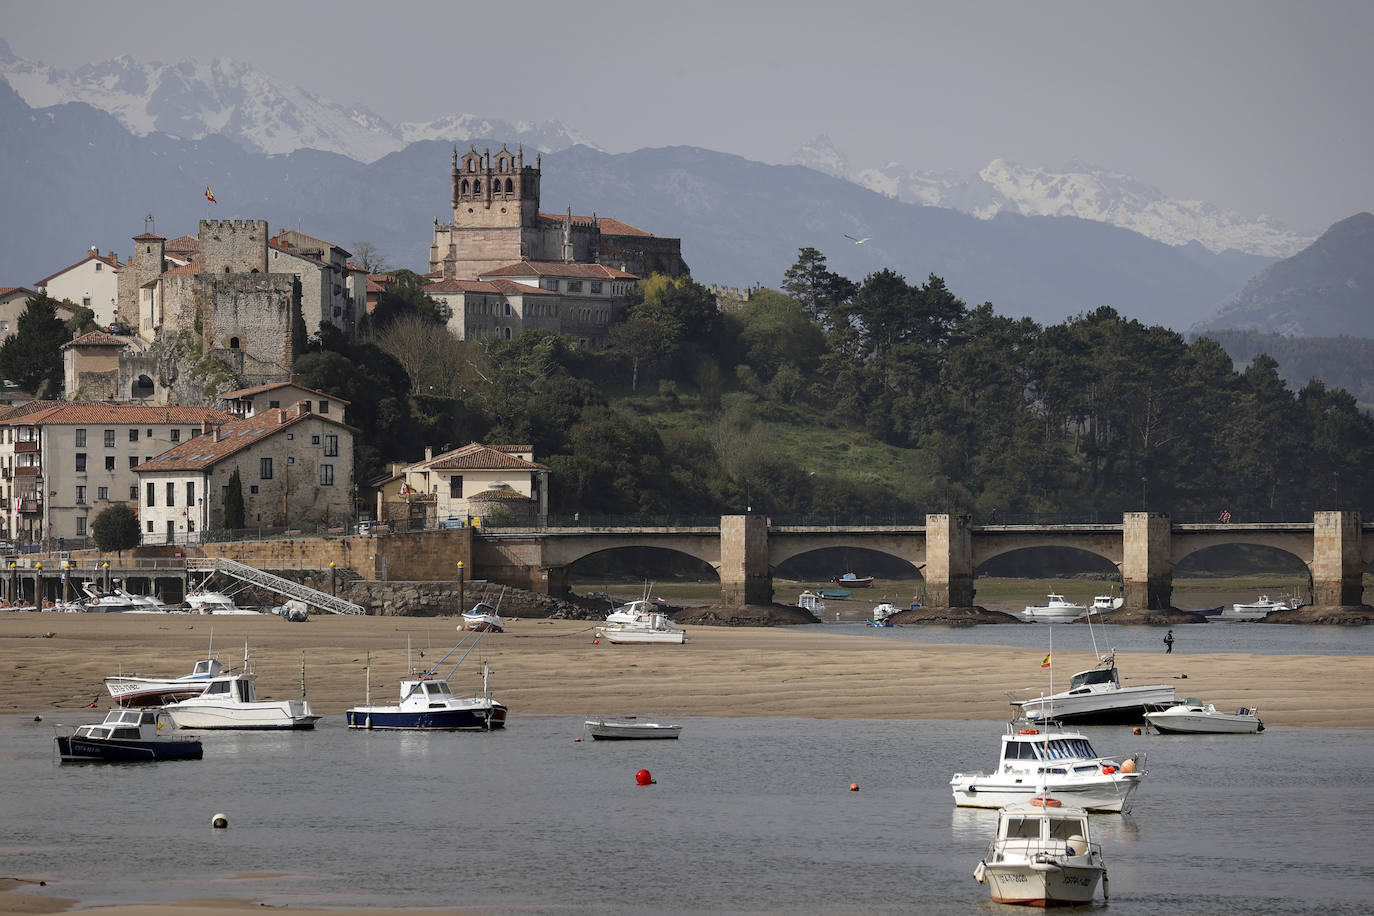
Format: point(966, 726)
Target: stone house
point(92, 282)
point(463, 486)
point(330, 291)
point(13, 301)
point(62, 463)
point(247, 402)
point(295, 468)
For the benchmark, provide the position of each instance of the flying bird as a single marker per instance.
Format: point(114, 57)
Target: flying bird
point(857, 241)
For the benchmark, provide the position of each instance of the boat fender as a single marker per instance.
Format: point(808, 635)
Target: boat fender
point(1028, 731)
point(219, 822)
point(1128, 766)
point(1108, 770)
point(47, 605)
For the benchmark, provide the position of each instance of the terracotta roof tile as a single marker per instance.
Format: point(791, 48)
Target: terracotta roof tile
point(76, 412)
point(187, 244)
point(204, 451)
point(150, 237)
point(6, 290)
point(608, 225)
point(96, 339)
point(501, 493)
point(272, 386)
point(475, 456)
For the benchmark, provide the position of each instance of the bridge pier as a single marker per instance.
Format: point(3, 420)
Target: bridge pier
point(745, 576)
point(1337, 572)
point(949, 561)
point(1147, 573)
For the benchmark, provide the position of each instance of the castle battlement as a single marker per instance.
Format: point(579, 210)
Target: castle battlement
point(233, 225)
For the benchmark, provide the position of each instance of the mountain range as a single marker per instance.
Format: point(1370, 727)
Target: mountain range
point(89, 153)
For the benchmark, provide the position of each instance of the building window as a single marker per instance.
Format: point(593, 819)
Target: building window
point(102, 494)
point(551, 283)
point(596, 287)
point(152, 496)
point(176, 435)
point(133, 492)
point(455, 487)
point(81, 461)
point(99, 267)
point(80, 438)
point(190, 493)
point(80, 495)
point(133, 461)
point(507, 330)
point(253, 490)
point(86, 301)
point(265, 468)
point(331, 446)
point(574, 286)
point(150, 526)
point(273, 404)
point(109, 462)
point(290, 460)
point(133, 435)
point(109, 438)
point(81, 526)
point(326, 475)
point(314, 440)
point(171, 494)
point(223, 495)
point(324, 407)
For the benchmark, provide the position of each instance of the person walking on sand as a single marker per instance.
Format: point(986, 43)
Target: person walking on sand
point(1169, 642)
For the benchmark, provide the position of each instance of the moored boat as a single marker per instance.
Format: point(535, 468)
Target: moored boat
point(155, 690)
point(882, 614)
point(849, 580)
point(1037, 759)
point(657, 628)
point(1056, 608)
point(810, 601)
point(233, 703)
point(1104, 603)
point(1195, 717)
point(1256, 610)
point(1096, 696)
point(1042, 855)
point(428, 702)
point(125, 736)
point(630, 728)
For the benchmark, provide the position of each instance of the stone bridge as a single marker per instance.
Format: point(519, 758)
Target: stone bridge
point(744, 550)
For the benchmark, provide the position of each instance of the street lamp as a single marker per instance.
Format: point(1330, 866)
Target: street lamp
point(106, 566)
point(461, 605)
point(332, 591)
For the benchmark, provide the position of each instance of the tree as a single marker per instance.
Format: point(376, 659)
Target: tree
point(367, 256)
point(32, 356)
point(406, 296)
point(116, 528)
point(819, 291)
point(233, 502)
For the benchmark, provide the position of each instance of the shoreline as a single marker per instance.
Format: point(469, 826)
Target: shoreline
point(553, 667)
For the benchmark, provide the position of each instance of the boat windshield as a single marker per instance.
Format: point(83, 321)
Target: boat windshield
point(437, 688)
point(1065, 749)
point(1096, 676)
point(1023, 828)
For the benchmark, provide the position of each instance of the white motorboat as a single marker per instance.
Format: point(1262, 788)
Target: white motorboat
point(655, 628)
point(154, 690)
point(1104, 603)
point(106, 602)
point(629, 728)
point(810, 601)
point(1042, 855)
point(1193, 716)
point(1056, 608)
point(428, 702)
point(1255, 610)
point(202, 601)
point(145, 603)
point(233, 703)
point(1096, 696)
point(882, 614)
point(635, 613)
point(1054, 760)
point(484, 617)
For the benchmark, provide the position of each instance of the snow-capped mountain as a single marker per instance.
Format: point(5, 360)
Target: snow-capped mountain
point(1078, 189)
point(189, 101)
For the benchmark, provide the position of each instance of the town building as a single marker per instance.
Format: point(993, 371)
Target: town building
point(247, 402)
point(463, 486)
point(62, 463)
point(13, 301)
point(92, 282)
point(295, 471)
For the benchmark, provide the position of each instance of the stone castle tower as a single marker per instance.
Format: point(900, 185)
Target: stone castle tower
point(495, 214)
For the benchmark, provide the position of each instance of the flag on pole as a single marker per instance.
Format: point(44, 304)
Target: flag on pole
point(1046, 662)
point(208, 196)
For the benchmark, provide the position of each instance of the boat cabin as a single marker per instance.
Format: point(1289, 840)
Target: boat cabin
point(207, 667)
point(1096, 678)
point(1046, 829)
point(239, 689)
point(426, 693)
point(1033, 746)
point(122, 723)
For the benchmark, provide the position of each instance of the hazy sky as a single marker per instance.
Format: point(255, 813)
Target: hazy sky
point(1261, 107)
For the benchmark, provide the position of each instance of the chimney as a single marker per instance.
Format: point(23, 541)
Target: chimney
point(219, 434)
point(302, 407)
point(204, 427)
point(429, 452)
point(281, 416)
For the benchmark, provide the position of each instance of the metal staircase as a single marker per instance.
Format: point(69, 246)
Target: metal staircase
point(245, 573)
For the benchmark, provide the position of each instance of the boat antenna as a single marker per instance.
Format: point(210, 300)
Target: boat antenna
point(1093, 634)
point(435, 666)
point(367, 668)
point(302, 674)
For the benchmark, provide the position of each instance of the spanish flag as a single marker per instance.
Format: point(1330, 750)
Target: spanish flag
point(208, 196)
point(1046, 662)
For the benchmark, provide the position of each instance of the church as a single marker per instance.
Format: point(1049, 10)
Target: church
point(502, 266)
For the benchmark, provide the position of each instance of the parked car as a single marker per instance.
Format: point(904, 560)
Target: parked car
point(363, 528)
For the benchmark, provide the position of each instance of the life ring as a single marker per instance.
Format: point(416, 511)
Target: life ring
point(1028, 731)
point(95, 600)
point(1046, 802)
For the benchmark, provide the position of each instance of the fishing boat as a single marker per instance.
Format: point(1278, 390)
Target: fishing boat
point(653, 628)
point(849, 580)
point(126, 736)
point(1195, 717)
point(834, 593)
point(810, 601)
point(629, 728)
point(1104, 603)
point(1042, 855)
point(233, 703)
point(1256, 610)
point(1035, 759)
point(882, 615)
point(429, 703)
point(1097, 696)
point(1056, 608)
point(485, 617)
point(155, 690)
point(204, 601)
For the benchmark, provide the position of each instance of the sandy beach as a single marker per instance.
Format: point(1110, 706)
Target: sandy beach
point(553, 667)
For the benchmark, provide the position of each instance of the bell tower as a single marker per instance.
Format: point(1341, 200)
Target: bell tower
point(494, 191)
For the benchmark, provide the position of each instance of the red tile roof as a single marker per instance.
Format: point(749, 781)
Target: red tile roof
point(6, 290)
point(477, 457)
point(96, 339)
point(273, 386)
point(559, 269)
point(608, 225)
point(294, 252)
point(187, 244)
point(501, 493)
point(72, 413)
point(235, 435)
point(90, 256)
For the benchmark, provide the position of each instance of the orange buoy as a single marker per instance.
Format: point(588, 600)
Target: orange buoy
point(596, 641)
point(853, 787)
point(1128, 766)
point(1028, 731)
point(1046, 802)
point(1108, 770)
point(1136, 730)
point(575, 740)
point(644, 778)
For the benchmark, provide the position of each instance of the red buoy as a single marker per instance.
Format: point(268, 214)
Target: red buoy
point(644, 778)
point(853, 787)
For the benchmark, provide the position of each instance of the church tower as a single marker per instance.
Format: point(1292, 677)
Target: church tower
point(495, 214)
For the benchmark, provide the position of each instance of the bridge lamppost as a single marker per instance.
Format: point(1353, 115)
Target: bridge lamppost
point(461, 606)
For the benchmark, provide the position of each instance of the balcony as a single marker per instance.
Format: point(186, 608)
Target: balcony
point(27, 470)
point(25, 446)
point(30, 505)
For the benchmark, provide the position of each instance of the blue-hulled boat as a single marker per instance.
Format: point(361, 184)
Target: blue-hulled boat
point(428, 702)
point(126, 736)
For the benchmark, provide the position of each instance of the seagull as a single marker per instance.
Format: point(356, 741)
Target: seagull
point(857, 241)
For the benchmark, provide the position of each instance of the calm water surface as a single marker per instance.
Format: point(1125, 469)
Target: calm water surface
point(748, 816)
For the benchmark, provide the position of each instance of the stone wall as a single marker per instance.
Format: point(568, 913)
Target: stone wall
point(255, 311)
point(239, 245)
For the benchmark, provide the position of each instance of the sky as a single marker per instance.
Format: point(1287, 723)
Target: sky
point(1258, 106)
